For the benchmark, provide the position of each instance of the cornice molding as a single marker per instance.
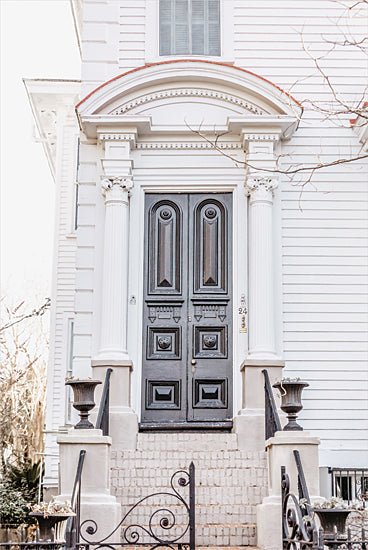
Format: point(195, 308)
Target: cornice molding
point(261, 137)
point(187, 145)
point(117, 137)
point(188, 92)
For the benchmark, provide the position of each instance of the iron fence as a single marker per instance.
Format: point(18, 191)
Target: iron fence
point(299, 529)
point(350, 484)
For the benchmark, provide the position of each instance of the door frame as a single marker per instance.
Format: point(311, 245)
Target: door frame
point(234, 184)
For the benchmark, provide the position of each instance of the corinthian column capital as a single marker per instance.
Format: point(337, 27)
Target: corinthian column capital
point(123, 182)
point(261, 188)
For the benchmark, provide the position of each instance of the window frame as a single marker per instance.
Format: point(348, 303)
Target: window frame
point(152, 35)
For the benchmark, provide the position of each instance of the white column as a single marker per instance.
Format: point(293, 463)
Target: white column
point(113, 349)
point(262, 180)
point(113, 343)
point(261, 274)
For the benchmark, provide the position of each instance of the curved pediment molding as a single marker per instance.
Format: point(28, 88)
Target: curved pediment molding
point(252, 85)
point(182, 94)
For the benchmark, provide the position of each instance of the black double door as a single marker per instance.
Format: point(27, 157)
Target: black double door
point(187, 324)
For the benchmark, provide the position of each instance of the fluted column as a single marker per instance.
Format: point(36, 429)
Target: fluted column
point(117, 183)
point(261, 182)
point(113, 343)
point(261, 270)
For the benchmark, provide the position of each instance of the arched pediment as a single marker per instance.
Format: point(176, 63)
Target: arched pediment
point(208, 94)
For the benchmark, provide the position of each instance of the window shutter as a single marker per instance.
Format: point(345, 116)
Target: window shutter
point(190, 27)
point(166, 20)
point(198, 27)
point(214, 31)
point(181, 29)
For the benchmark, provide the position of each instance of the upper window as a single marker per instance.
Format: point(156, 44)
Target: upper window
point(190, 27)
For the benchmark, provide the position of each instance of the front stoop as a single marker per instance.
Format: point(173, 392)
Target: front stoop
point(230, 483)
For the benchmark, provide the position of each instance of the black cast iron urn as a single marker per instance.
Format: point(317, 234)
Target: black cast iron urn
point(84, 390)
point(291, 401)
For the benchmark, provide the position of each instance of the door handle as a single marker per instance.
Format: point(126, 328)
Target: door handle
point(193, 362)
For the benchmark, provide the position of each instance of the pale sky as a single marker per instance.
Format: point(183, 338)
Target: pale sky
point(37, 41)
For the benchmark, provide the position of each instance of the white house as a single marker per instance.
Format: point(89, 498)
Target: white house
point(198, 241)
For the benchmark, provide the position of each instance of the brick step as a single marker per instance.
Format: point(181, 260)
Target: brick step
point(247, 501)
point(164, 472)
point(154, 485)
point(130, 547)
point(187, 441)
point(221, 535)
point(212, 495)
point(208, 458)
point(200, 453)
point(205, 515)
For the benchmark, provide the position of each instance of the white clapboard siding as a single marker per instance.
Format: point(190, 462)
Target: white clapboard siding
point(324, 229)
point(63, 287)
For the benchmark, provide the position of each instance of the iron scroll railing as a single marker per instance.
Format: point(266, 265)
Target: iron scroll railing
point(164, 519)
point(272, 420)
point(299, 529)
point(102, 422)
point(72, 532)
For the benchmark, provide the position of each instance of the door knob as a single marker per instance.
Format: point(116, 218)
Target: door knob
point(193, 362)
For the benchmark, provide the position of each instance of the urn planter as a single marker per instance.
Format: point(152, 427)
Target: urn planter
point(331, 518)
point(291, 401)
point(84, 390)
point(51, 527)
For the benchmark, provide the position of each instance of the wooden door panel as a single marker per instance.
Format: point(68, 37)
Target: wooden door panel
point(210, 308)
point(210, 237)
point(187, 337)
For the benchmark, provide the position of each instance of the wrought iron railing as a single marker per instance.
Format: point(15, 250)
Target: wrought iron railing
point(299, 529)
point(72, 532)
point(102, 422)
point(272, 420)
point(350, 484)
point(166, 520)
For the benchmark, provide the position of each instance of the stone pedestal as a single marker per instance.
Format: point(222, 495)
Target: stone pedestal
point(96, 501)
point(280, 453)
point(250, 422)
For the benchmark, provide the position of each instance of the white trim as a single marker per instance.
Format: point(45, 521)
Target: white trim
point(152, 35)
